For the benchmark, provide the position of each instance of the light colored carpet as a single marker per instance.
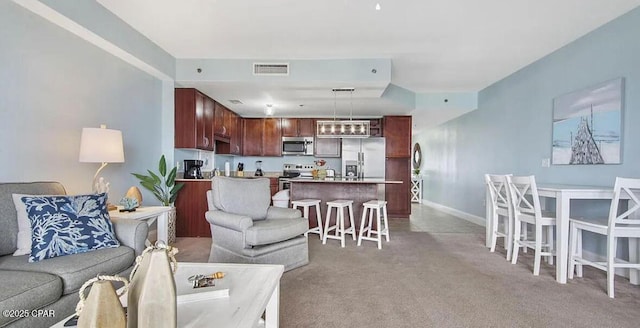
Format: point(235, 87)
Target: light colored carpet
point(443, 280)
point(436, 272)
point(421, 279)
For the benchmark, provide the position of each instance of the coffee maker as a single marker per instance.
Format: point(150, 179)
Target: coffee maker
point(192, 168)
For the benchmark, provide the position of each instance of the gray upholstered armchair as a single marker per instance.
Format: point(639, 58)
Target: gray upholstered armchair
point(246, 229)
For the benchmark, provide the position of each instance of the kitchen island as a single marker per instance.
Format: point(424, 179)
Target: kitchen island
point(358, 190)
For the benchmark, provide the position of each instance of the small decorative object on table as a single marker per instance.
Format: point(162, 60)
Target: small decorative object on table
point(201, 287)
point(201, 280)
point(128, 204)
point(134, 192)
point(322, 170)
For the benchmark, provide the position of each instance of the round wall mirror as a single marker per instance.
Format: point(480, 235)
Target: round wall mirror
point(417, 156)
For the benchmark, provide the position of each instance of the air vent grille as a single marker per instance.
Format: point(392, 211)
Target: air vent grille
point(270, 68)
point(343, 89)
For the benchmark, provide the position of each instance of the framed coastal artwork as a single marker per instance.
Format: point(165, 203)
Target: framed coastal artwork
point(587, 125)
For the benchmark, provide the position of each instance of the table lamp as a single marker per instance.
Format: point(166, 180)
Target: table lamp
point(101, 145)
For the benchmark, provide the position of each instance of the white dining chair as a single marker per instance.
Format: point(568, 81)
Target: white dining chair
point(624, 225)
point(527, 211)
point(500, 208)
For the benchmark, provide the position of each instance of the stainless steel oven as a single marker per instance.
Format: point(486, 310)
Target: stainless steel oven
point(290, 171)
point(297, 146)
point(283, 183)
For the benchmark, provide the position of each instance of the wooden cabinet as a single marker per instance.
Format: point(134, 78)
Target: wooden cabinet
point(234, 145)
point(191, 205)
point(252, 137)
point(306, 127)
point(273, 185)
point(398, 196)
point(222, 123)
point(375, 127)
point(262, 137)
point(236, 135)
point(326, 147)
point(397, 134)
point(298, 127)
point(193, 121)
point(272, 137)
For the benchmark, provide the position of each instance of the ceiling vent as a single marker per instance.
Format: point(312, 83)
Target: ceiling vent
point(271, 69)
point(235, 101)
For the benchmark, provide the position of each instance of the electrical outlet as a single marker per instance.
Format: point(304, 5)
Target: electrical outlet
point(546, 162)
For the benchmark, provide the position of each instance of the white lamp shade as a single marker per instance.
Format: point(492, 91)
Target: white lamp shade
point(101, 145)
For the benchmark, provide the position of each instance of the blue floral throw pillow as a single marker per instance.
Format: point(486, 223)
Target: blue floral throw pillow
point(65, 225)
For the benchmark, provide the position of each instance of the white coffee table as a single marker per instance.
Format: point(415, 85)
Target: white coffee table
point(254, 289)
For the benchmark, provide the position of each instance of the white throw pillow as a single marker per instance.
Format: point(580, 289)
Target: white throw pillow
point(24, 226)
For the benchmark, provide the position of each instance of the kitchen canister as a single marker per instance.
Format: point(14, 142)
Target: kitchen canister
point(227, 169)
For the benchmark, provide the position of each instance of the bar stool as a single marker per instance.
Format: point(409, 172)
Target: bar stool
point(306, 204)
point(374, 205)
point(340, 233)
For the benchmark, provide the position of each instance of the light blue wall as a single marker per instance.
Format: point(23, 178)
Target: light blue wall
point(511, 130)
point(52, 84)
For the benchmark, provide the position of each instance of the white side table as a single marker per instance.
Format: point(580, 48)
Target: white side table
point(149, 214)
point(416, 189)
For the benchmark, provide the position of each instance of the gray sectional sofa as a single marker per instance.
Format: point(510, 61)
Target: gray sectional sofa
point(53, 284)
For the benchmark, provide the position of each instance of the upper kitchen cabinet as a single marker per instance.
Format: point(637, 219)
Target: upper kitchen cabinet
point(375, 127)
point(326, 147)
point(235, 143)
point(193, 119)
point(397, 134)
point(272, 137)
point(222, 124)
point(298, 127)
point(234, 146)
point(262, 137)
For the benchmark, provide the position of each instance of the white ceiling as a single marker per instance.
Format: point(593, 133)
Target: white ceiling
point(434, 46)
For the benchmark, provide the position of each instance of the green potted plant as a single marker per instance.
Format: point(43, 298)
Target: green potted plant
point(165, 188)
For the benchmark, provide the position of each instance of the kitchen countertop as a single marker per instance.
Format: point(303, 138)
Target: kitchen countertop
point(247, 174)
point(347, 180)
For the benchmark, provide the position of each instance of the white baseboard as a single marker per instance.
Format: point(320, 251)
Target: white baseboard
point(457, 213)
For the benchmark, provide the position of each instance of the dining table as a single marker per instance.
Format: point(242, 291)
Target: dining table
point(564, 194)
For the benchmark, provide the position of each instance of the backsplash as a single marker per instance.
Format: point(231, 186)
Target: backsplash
point(271, 164)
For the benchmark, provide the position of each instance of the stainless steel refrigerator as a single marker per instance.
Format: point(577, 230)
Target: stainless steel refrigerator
point(368, 157)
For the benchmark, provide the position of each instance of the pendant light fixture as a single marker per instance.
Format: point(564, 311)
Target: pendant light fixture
point(342, 128)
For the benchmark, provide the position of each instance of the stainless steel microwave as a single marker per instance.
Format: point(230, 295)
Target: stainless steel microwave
point(297, 146)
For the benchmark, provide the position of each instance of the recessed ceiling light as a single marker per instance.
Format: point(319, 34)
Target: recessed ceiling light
point(235, 101)
point(377, 6)
point(269, 110)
